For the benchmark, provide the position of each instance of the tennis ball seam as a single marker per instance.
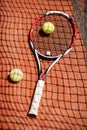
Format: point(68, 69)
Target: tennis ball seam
point(50, 27)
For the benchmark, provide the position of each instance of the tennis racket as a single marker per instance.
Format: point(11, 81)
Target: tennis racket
point(59, 43)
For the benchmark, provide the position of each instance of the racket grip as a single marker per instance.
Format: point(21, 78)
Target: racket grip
point(36, 98)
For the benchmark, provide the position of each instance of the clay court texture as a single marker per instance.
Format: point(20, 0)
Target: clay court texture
point(64, 101)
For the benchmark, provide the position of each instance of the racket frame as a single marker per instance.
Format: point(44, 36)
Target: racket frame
point(33, 111)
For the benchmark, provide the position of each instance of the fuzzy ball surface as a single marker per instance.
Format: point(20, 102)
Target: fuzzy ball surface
point(48, 27)
point(16, 75)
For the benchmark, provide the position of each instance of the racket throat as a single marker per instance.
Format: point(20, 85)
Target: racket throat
point(42, 76)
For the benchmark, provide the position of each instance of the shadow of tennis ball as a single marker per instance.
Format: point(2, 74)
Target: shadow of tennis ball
point(43, 34)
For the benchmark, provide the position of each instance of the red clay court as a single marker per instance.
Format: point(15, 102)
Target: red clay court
point(64, 101)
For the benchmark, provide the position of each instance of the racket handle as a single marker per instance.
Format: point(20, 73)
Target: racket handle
point(36, 98)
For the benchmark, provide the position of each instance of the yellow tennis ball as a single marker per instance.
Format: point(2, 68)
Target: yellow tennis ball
point(48, 27)
point(16, 75)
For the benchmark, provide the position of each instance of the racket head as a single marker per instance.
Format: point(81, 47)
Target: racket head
point(57, 42)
